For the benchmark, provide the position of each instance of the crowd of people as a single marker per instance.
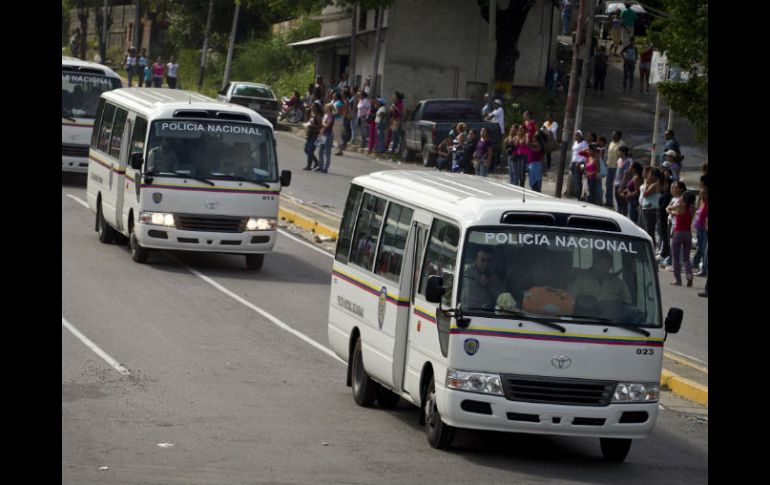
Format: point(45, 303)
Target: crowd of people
point(150, 75)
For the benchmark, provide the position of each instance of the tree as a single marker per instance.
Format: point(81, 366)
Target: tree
point(683, 36)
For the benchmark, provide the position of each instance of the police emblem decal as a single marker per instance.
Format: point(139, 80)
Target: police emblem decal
point(157, 197)
point(381, 307)
point(471, 346)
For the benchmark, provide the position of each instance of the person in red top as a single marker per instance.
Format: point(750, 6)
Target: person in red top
point(645, 63)
point(530, 124)
point(158, 71)
point(592, 172)
point(681, 240)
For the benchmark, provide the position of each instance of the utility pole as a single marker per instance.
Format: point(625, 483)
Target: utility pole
point(232, 44)
point(586, 64)
point(353, 42)
point(205, 44)
point(492, 41)
point(137, 20)
point(103, 43)
point(567, 132)
point(378, 37)
point(654, 157)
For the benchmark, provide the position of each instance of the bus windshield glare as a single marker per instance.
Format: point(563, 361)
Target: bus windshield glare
point(212, 149)
point(559, 275)
point(80, 93)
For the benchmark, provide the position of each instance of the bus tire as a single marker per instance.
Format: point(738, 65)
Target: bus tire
point(365, 390)
point(387, 399)
point(615, 450)
point(255, 261)
point(106, 233)
point(439, 433)
point(138, 253)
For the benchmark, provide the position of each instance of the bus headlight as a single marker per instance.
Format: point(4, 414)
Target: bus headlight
point(626, 392)
point(156, 219)
point(474, 382)
point(261, 223)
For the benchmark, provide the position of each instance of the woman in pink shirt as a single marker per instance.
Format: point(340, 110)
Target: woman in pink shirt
point(681, 240)
point(592, 173)
point(158, 71)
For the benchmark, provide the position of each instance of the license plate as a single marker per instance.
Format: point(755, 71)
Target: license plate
point(254, 105)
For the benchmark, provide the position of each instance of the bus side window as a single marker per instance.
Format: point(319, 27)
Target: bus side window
point(441, 257)
point(117, 132)
point(105, 128)
point(97, 123)
point(348, 221)
point(139, 135)
point(367, 231)
point(393, 242)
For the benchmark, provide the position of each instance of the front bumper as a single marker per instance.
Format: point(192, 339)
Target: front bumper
point(538, 418)
point(248, 242)
point(74, 164)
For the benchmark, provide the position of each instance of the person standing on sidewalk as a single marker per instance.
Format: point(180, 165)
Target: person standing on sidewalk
point(141, 67)
point(701, 215)
point(482, 158)
point(553, 128)
point(577, 163)
point(645, 64)
point(631, 192)
point(313, 127)
point(628, 18)
point(681, 240)
point(158, 70)
point(613, 154)
point(651, 202)
point(566, 16)
point(172, 69)
point(326, 139)
point(629, 53)
point(338, 109)
point(362, 113)
point(616, 33)
point(396, 113)
point(381, 120)
point(600, 71)
point(664, 229)
point(130, 64)
point(521, 141)
point(371, 120)
point(621, 179)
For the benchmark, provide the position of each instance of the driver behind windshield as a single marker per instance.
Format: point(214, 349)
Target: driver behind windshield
point(163, 158)
point(480, 285)
point(239, 160)
point(600, 282)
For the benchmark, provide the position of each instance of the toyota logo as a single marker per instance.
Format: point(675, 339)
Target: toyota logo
point(561, 362)
point(211, 204)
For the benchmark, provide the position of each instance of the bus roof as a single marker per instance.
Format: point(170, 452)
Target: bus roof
point(91, 66)
point(164, 102)
point(473, 200)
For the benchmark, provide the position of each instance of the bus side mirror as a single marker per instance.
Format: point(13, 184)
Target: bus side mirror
point(435, 289)
point(285, 178)
point(136, 161)
point(674, 320)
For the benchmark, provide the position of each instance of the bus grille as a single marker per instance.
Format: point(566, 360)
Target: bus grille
point(74, 150)
point(574, 392)
point(188, 222)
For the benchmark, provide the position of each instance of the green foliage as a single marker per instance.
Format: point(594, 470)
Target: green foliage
point(683, 36)
point(539, 102)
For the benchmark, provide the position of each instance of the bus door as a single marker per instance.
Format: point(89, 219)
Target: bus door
point(119, 152)
point(428, 330)
point(413, 256)
point(136, 132)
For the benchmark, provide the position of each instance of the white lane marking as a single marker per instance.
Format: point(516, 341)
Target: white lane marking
point(262, 312)
point(94, 347)
point(305, 243)
point(78, 200)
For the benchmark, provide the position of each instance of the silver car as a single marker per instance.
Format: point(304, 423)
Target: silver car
point(258, 97)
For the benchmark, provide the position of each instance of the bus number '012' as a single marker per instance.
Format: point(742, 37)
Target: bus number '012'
point(645, 351)
point(268, 197)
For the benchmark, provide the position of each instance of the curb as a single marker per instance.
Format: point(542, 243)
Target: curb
point(307, 223)
point(681, 386)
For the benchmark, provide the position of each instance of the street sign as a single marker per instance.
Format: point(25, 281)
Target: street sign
point(658, 68)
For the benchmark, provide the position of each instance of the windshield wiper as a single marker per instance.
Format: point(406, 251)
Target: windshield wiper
point(542, 320)
point(69, 118)
point(241, 178)
point(608, 322)
point(179, 174)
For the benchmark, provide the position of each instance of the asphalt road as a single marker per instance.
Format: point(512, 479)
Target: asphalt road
point(219, 390)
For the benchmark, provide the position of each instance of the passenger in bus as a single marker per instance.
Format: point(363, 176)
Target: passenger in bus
point(480, 285)
point(240, 160)
point(599, 284)
point(163, 158)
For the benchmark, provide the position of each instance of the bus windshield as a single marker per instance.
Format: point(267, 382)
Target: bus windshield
point(559, 275)
point(211, 149)
point(80, 93)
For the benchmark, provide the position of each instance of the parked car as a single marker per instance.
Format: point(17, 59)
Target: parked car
point(432, 119)
point(258, 97)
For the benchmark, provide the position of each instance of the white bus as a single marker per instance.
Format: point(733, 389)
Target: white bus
point(496, 308)
point(172, 169)
point(81, 85)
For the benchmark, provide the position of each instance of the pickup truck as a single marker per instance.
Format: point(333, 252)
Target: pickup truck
point(430, 121)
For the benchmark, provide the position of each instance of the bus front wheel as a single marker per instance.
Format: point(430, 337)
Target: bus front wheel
point(255, 261)
point(138, 253)
point(615, 449)
point(439, 434)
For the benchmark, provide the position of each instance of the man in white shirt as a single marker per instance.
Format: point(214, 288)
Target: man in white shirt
point(577, 164)
point(171, 73)
point(362, 113)
point(613, 153)
point(498, 115)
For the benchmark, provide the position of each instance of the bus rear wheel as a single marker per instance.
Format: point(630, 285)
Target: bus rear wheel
point(365, 390)
point(440, 435)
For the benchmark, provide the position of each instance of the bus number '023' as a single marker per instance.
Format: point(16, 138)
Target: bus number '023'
point(645, 351)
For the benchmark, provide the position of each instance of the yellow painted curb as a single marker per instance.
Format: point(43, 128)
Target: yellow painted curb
point(307, 223)
point(692, 391)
